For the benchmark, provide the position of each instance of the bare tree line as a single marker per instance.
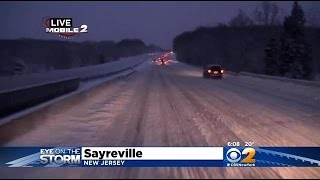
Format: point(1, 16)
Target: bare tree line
point(270, 14)
point(33, 56)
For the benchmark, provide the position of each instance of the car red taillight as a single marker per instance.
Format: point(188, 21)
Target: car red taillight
point(221, 71)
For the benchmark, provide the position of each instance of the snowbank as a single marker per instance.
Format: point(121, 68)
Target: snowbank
point(85, 73)
point(297, 81)
point(25, 91)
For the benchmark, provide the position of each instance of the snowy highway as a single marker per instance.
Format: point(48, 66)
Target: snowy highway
point(173, 105)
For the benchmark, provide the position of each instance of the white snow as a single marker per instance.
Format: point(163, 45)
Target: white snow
point(34, 79)
point(23, 81)
point(84, 86)
point(174, 106)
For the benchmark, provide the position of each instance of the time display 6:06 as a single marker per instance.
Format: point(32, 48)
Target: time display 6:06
point(233, 144)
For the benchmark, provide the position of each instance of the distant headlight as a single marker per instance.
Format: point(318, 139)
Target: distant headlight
point(209, 71)
point(221, 71)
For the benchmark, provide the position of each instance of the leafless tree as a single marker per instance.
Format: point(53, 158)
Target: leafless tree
point(267, 13)
point(241, 20)
point(313, 17)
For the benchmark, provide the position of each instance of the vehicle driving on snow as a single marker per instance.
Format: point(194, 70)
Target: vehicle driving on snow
point(213, 71)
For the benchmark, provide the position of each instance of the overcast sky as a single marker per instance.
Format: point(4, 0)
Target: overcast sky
point(153, 22)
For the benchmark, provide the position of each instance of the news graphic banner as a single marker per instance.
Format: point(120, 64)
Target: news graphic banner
point(159, 156)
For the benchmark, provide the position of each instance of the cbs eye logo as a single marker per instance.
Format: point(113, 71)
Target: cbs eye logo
point(234, 155)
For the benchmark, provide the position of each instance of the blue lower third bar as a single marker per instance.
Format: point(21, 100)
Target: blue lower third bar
point(152, 163)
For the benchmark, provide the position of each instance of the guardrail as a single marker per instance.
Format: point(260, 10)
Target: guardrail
point(54, 84)
point(296, 81)
point(284, 79)
point(232, 73)
point(84, 73)
point(102, 75)
point(19, 99)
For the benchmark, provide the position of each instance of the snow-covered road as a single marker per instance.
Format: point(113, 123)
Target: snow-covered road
point(173, 106)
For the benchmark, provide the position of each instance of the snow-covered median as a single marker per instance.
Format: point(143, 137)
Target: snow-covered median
point(84, 73)
point(29, 93)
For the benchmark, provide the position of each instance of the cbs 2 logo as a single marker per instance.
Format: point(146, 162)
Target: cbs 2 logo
point(234, 155)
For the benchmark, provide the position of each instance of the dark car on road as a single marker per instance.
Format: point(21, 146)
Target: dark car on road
point(213, 71)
